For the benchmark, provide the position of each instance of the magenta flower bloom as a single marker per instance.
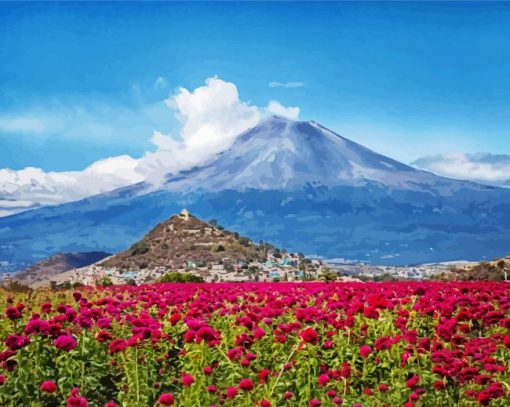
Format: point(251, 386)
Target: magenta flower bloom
point(65, 342)
point(187, 380)
point(166, 399)
point(231, 392)
point(48, 386)
point(246, 384)
point(365, 350)
point(323, 379)
point(309, 335)
point(413, 381)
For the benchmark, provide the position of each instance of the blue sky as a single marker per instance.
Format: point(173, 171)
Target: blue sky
point(79, 82)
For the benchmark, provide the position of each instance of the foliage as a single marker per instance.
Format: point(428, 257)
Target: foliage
point(328, 275)
point(286, 344)
point(105, 281)
point(140, 247)
point(175, 277)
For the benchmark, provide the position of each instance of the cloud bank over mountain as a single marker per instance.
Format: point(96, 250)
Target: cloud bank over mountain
point(486, 168)
point(210, 116)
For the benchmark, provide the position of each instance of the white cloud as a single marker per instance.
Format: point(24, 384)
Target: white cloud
point(278, 109)
point(493, 169)
point(287, 85)
point(211, 116)
point(35, 187)
point(22, 124)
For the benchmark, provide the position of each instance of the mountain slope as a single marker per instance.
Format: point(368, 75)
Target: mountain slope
point(44, 269)
point(298, 186)
point(174, 242)
point(280, 154)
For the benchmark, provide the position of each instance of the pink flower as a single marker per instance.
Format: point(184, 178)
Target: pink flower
point(323, 379)
point(383, 387)
point(48, 386)
point(76, 401)
point(365, 350)
point(12, 313)
point(439, 385)
point(231, 392)
point(413, 381)
point(166, 399)
point(187, 380)
point(65, 342)
point(246, 384)
point(309, 335)
point(263, 375)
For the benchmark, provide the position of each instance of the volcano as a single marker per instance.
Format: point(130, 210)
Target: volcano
point(293, 184)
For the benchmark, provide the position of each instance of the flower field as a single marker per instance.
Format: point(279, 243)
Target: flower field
point(282, 344)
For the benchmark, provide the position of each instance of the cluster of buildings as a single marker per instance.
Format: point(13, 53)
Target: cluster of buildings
point(276, 267)
point(371, 271)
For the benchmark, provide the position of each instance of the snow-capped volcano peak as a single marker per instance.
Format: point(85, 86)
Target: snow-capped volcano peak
point(280, 153)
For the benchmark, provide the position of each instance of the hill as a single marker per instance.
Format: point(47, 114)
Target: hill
point(297, 185)
point(43, 271)
point(496, 270)
point(185, 241)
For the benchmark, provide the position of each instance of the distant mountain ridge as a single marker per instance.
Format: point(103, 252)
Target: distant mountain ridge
point(296, 185)
point(45, 269)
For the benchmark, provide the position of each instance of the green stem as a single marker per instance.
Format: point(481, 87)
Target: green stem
point(136, 375)
point(282, 369)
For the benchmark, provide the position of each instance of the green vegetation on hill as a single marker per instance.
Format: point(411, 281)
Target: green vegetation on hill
point(175, 277)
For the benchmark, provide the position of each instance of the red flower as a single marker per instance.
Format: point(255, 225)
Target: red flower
point(439, 385)
point(383, 387)
point(12, 313)
point(365, 350)
point(48, 386)
point(506, 341)
point(174, 318)
point(65, 342)
point(246, 384)
point(263, 375)
point(103, 336)
point(187, 380)
point(166, 399)
point(231, 392)
point(117, 345)
point(323, 379)
point(309, 335)
point(413, 381)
